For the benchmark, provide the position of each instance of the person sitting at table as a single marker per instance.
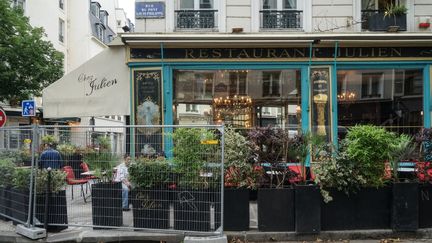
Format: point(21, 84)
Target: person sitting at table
point(122, 176)
point(50, 157)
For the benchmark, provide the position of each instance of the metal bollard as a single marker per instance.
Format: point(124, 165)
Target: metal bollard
point(47, 196)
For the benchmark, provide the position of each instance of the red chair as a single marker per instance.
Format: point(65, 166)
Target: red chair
point(85, 168)
point(71, 180)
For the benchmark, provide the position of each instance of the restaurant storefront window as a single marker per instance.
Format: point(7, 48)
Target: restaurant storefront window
point(390, 98)
point(242, 98)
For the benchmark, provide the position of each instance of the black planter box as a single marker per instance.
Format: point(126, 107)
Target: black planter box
point(425, 205)
point(192, 209)
point(19, 205)
point(151, 208)
point(107, 204)
point(236, 209)
point(5, 203)
point(276, 209)
point(378, 22)
point(370, 208)
point(307, 209)
point(405, 206)
point(57, 210)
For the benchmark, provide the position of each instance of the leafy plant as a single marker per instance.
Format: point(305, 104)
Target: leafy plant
point(150, 173)
point(401, 150)
point(101, 162)
point(359, 162)
point(49, 139)
point(7, 168)
point(66, 148)
point(21, 178)
point(339, 172)
point(394, 10)
point(191, 154)
point(58, 180)
point(370, 147)
point(269, 146)
point(238, 171)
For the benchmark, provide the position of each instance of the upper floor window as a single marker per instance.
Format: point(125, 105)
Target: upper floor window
point(61, 30)
point(95, 9)
point(196, 14)
point(19, 4)
point(104, 17)
point(61, 4)
point(100, 32)
point(280, 14)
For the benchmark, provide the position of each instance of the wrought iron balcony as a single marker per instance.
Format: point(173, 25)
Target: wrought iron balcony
point(283, 19)
point(375, 20)
point(196, 19)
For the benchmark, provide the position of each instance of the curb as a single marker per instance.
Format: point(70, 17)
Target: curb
point(246, 236)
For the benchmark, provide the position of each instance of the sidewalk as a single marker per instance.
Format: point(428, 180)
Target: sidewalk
point(86, 234)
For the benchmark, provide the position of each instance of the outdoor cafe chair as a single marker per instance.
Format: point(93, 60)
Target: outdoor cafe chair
point(71, 180)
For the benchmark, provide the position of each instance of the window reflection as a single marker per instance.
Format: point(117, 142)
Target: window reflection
point(274, 95)
point(391, 98)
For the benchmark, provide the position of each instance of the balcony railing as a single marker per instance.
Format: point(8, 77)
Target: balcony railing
point(283, 19)
point(196, 19)
point(375, 20)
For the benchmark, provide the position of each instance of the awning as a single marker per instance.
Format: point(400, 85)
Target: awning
point(99, 87)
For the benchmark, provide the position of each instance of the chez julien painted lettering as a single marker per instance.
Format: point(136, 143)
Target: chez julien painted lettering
point(96, 83)
point(343, 52)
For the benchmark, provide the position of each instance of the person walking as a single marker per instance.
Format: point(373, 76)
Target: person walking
point(50, 157)
point(122, 175)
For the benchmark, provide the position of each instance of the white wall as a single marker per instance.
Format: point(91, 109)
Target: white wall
point(332, 15)
point(47, 16)
point(422, 11)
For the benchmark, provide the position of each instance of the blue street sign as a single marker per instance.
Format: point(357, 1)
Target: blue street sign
point(144, 10)
point(28, 108)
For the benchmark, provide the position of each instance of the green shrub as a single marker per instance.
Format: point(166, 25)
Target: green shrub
point(21, 178)
point(191, 157)
point(150, 173)
point(370, 147)
point(7, 168)
point(58, 180)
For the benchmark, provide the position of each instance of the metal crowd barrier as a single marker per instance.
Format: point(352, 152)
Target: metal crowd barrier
point(155, 178)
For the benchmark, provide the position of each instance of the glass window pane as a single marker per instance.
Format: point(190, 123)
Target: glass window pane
point(242, 98)
point(186, 4)
point(391, 98)
point(206, 4)
point(290, 4)
point(320, 113)
point(269, 4)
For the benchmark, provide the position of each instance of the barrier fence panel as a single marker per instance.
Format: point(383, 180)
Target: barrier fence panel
point(159, 178)
point(16, 175)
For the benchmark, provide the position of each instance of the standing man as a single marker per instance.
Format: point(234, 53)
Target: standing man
point(50, 157)
point(122, 176)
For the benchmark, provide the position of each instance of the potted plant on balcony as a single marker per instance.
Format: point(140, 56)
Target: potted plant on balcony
point(276, 197)
point(394, 11)
point(405, 192)
point(354, 178)
point(240, 176)
point(198, 180)
point(392, 19)
point(150, 195)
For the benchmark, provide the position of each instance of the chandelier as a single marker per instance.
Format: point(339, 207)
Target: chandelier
point(235, 110)
point(348, 95)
